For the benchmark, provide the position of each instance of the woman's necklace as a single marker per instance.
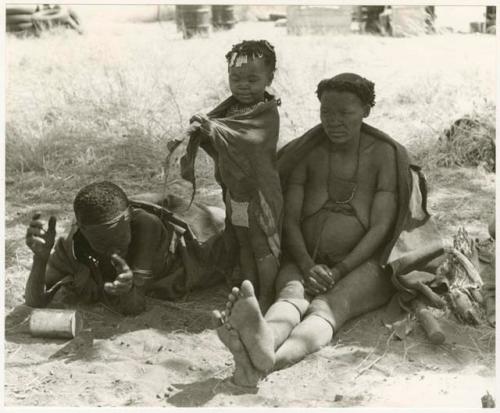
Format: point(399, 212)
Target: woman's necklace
point(342, 191)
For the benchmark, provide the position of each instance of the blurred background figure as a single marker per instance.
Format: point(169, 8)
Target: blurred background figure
point(37, 18)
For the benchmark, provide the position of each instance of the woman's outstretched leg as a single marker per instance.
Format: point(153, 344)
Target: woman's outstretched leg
point(364, 289)
point(307, 337)
point(290, 304)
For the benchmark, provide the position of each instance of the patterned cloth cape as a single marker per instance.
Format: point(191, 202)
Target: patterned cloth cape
point(243, 147)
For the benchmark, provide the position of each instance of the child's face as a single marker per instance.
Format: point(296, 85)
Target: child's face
point(248, 81)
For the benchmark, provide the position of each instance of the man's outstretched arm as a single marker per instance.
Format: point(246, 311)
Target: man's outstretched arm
point(40, 241)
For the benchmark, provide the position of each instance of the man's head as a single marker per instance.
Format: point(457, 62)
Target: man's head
point(103, 216)
point(346, 99)
point(251, 67)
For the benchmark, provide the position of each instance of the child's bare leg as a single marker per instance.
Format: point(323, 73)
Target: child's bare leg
point(245, 317)
point(244, 374)
point(267, 269)
point(248, 269)
point(267, 265)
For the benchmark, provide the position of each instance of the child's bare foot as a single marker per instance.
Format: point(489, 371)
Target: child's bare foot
point(247, 319)
point(244, 373)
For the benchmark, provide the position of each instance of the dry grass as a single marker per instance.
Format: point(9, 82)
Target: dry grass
point(470, 141)
point(107, 101)
point(103, 105)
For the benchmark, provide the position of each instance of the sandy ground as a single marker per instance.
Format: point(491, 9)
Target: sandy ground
point(169, 355)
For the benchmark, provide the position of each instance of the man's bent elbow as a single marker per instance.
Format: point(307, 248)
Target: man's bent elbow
point(36, 301)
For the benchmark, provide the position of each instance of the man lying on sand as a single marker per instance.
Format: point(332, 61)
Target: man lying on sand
point(347, 199)
point(116, 253)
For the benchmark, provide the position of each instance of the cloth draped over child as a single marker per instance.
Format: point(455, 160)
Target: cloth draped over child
point(243, 147)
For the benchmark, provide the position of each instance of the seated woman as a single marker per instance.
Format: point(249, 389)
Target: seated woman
point(347, 198)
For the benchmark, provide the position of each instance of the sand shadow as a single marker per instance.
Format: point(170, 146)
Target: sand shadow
point(197, 394)
point(191, 315)
point(366, 336)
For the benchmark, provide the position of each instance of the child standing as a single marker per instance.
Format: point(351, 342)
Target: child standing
point(241, 135)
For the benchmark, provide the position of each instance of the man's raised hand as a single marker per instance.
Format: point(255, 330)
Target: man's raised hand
point(124, 280)
point(39, 240)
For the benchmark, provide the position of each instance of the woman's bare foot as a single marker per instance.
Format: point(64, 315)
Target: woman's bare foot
point(244, 373)
point(246, 318)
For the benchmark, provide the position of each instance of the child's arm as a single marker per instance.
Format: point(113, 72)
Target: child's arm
point(195, 124)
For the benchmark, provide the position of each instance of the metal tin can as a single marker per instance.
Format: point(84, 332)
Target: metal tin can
point(55, 323)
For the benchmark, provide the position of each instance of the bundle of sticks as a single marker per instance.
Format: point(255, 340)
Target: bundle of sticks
point(456, 285)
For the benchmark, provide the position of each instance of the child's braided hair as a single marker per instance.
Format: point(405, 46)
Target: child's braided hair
point(253, 49)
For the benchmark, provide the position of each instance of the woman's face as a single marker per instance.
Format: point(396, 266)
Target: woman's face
point(248, 81)
point(342, 114)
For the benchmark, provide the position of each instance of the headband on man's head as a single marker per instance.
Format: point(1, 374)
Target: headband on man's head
point(350, 82)
point(111, 223)
point(105, 233)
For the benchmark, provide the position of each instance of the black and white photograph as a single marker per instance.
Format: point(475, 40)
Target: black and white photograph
point(249, 205)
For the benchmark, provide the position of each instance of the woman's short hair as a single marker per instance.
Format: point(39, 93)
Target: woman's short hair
point(349, 82)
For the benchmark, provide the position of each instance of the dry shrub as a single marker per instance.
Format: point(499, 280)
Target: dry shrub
point(468, 142)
